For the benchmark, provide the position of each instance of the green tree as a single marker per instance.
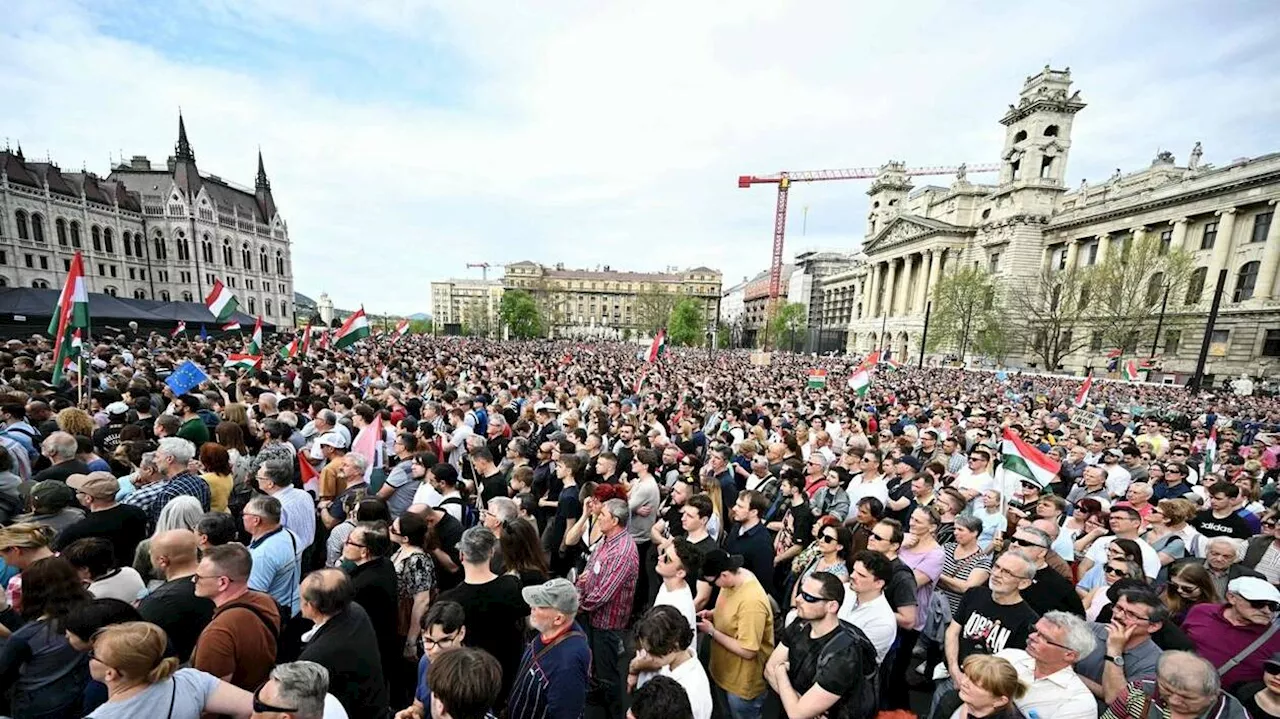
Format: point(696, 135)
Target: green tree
point(653, 309)
point(420, 327)
point(686, 326)
point(965, 301)
point(1130, 285)
point(519, 314)
point(1051, 312)
point(785, 324)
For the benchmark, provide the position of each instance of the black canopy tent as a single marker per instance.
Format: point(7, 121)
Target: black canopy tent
point(26, 311)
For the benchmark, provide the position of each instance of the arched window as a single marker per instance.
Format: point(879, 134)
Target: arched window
point(1051, 131)
point(1245, 281)
point(60, 226)
point(40, 284)
point(95, 233)
point(1022, 135)
point(164, 296)
point(206, 248)
point(126, 240)
point(253, 306)
point(139, 294)
point(262, 259)
point(4, 281)
point(110, 291)
point(24, 231)
point(268, 306)
point(107, 242)
point(37, 227)
point(1195, 285)
point(75, 235)
point(284, 308)
point(137, 244)
point(186, 297)
point(246, 256)
point(162, 250)
point(184, 247)
point(1155, 286)
point(279, 263)
point(227, 255)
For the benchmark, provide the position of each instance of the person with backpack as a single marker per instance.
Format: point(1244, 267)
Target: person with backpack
point(239, 643)
point(14, 418)
point(446, 481)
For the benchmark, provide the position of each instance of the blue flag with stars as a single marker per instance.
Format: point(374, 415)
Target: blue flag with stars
point(186, 378)
point(204, 334)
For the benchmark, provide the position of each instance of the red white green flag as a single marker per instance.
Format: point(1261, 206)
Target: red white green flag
point(70, 317)
point(1131, 370)
point(1083, 396)
point(255, 340)
point(860, 382)
point(231, 327)
point(290, 350)
point(402, 328)
point(221, 303)
point(242, 361)
point(1026, 461)
point(353, 330)
point(182, 327)
point(306, 340)
point(657, 348)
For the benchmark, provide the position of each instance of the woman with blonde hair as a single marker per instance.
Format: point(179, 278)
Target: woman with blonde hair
point(1163, 525)
point(75, 421)
point(711, 488)
point(22, 545)
point(141, 681)
point(988, 686)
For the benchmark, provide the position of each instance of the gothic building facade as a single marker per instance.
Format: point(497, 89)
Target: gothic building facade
point(158, 233)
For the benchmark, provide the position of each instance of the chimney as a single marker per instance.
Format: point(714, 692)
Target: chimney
point(173, 163)
point(139, 162)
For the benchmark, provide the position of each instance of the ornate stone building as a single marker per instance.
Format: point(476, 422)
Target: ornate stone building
point(608, 302)
point(146, 233)
point(1029, 220)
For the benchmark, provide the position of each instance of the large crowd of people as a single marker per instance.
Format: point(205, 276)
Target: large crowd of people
point(447, 528)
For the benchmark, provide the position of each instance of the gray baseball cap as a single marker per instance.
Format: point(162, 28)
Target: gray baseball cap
point(559, 594)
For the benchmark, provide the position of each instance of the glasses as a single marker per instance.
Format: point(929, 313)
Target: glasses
point(429, 643)
point(1027, 543)
point(1264, 604)
point(665, 559)
point(260, 706)
point(977, 459)
point(1041, 637)
point(197, 577)
point(354, 544)
point(811, 599)
point(1121, 613)
point(1187, 589)
point(877, 536)
point(1271, 667)
point(1000, 569)
point(1114, 570)
point(829, 538)
point(94, 658)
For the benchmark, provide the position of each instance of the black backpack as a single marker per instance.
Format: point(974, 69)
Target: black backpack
point(470, 517)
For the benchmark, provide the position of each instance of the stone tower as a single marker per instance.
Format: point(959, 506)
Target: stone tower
point(1038, 139)
point(887, 194)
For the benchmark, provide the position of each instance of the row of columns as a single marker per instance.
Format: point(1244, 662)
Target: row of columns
point(900, 285)
point(1223, 245)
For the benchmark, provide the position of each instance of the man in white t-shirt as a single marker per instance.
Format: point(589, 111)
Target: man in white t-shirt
point(975, 478)
point(1125, 523)
point(1118, 478)
point(677, 561)
point(663, 638)
point(865, 606)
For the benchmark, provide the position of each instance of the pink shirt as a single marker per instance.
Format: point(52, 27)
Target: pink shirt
point(1218, 640)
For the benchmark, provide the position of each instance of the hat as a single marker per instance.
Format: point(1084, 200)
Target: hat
point(1114, 453)
point(1272, 665)
point(332, 439)
point(558, 593)
point(100, 485)
point(117, 408)
point(1254, 589)
point(52, 493)
point(718, 561)
point(910, 461)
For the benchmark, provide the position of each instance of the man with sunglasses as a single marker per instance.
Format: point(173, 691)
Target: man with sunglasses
point(1049, 591)
point(1227, 633)
point(1125, 648)
point(299, 689)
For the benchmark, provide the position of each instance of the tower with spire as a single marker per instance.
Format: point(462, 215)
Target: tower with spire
point(185, 174)
point(262, 192)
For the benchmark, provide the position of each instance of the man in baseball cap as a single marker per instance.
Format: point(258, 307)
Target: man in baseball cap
point(124, 524)
point(560, 650)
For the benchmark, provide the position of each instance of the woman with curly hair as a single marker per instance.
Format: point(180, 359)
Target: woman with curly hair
point(76, 422)
point(38, 665)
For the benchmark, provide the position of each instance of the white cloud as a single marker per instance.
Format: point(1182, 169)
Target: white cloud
point(594, 133)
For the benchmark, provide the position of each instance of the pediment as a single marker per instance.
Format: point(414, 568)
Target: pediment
point(905, 229)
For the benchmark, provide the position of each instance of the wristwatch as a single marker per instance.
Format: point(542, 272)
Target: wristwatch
point(1118, 661)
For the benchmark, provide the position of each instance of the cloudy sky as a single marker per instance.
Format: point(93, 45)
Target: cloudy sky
point(405, 138)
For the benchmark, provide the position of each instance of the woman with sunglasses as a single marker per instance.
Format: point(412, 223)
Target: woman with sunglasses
point(1112, 571)
point(1118, 549)
point(832, 547)
point(1263, 700)
point(1165, 523)
point(141, 681)
point(1189, 584)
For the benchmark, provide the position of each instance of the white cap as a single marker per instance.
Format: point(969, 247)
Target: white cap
point(1254, 589)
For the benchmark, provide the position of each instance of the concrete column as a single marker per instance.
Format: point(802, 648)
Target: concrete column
point(1104, 244)
point(935, 269)
point(922, 282)
point(1180, 238)
point(1073, 254)
point(1222, 244)
point(889, 281)
point(1270, 258)
point(1139, 234)
point(904, 287)
point(873, 284)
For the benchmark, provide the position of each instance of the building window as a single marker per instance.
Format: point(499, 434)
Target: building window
point(206, 249)
point(227, 255)
point(993, 266)
point(1245, 281)
point(133, 274)
point(1155, 286)
point(253, 306)
point(40, 284)
point(1210, 236)
point(1271, 344)
point(37, 227)
point(66, 265)
point(186, 297)
point(1046, 167)
point(1172, 338)
point(231, 282)
point(4, 257)
point(1261, 225)
point(44, 262)
point(107, 242)
point(164, 296)
point(1195, 286)
point(1095, 342)
point(1020, 136)
point(137, 244)
point(262, 259)
point(279, 263)
point(1062, 259)
point(1092, 254)
point(139, 294)
point(60, 226)
point(29, 260)
point(1166, 241)
point(24, 230)
point(184, 248)
point(95, 234)
point(75, 234)
point(1016, 166)
point(269, 306)
point(246, 257)
point(284, 308)
point(109, 291)
point(1220, 337)
point(126, 240)
point(1051, 131)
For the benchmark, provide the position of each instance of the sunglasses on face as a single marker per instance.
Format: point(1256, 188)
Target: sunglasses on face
point(828, 538)
point(1114, 570)
point(1264, 604)
point(1188, 589)
point(1026, 543)
point(260, 706)
point(811, 599)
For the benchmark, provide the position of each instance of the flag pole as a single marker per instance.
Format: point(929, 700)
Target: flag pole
point(80, 380)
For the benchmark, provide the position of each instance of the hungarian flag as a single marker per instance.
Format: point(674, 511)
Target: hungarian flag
point(872, 359)
point(231, 327)
point(306, 340)
point(1114, 353)
point(242, 361)
point(182, 327)
point(221, 303)
point(1026, 461)
point(370, 445)
point(1082, 397)
point(77, 347)
point(323, 342)
point(402, 328)
point(817, 378)
point(353, 330)
point(658, 346)
point(310, 477)
point(891, 363)
point(70, 317)
point(860, 382)
point(255, 340)
point(1210, 452)
point(288, 351)
point(1131, 370)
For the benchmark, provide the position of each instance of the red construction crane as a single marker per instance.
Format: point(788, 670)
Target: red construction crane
point(484, 268)
point(784, 179)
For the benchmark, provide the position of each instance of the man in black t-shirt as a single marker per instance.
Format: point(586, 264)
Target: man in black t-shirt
point(1220, 520)
point(827, 664)
point(900, 592)
point(448, 531)
point(174, 606)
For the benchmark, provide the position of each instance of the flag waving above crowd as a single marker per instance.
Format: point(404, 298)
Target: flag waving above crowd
point(221, 303)
point(70, 317)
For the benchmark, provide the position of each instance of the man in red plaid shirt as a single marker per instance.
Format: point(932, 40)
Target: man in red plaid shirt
point(606, 588)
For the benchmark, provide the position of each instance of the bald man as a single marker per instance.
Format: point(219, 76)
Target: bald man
point(174, 606)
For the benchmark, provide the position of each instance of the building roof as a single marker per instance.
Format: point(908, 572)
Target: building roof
point(607, 273)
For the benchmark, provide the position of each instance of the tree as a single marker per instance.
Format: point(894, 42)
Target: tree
point(686, 325)
point(1051, 312)
point(1130, 285)
point(653, 310)
point(787, 319)
point(519, 314)
point(965, 300)
point(420, 327)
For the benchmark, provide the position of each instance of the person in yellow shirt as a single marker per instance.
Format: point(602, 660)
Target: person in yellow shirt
point(215, 463)
point(741, 632)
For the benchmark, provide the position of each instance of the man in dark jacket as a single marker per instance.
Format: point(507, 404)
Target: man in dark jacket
point(373, 582)
point(343, 641)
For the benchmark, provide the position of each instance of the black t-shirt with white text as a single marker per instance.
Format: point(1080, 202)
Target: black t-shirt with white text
point(1232, 525)
point(987, 627)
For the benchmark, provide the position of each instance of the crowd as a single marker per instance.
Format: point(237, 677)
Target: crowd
point(456, 529)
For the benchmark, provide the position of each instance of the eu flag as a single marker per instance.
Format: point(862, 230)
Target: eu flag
point(186, 378)
point(204, 335)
